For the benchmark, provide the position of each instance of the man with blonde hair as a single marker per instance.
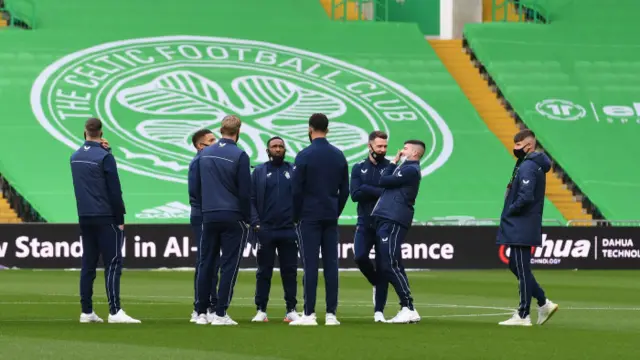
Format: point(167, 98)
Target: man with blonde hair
point(225, 191)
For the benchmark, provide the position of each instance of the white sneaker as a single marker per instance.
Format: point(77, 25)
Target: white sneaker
point(261, 316)
point(222, 320)
point(405, 316)
point(379, 317)
point(202, 319)
point(122, 318)
point(305, 320)
point(516, 320)
point(194, 316)
point(291, 316)
point(210, 316)
point(331, 320)
point(546, 311)
point(90, 318)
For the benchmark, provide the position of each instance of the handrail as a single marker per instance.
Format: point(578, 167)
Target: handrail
point(602, 222)
point(471, 221)
point(527, 10)
point(19, 16)
point(379, 9)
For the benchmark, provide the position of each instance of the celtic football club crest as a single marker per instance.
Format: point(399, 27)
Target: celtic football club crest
point(154, 93)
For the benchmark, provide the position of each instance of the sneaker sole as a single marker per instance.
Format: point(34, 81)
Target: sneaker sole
point(525, 325)
point(259, 321)
point(550, 315)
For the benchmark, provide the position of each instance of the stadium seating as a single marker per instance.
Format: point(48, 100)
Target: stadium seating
point(575, 83)
point(376, 76)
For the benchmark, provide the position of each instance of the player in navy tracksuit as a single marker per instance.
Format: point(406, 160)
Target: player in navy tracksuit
point(521, 225)
point(320, 192)
point(225, 178)
point(394, 215)
point(272, 201)
point(200, 139)
point(101, 216)
point(365, 190)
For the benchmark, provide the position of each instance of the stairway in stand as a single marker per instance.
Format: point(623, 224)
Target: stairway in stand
point(498, 119)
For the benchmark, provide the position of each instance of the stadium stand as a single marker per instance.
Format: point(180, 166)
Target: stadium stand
point(62, 74)
point(576, 86)
point(498, 119)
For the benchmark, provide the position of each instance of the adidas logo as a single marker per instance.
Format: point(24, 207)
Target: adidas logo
point(171, 210)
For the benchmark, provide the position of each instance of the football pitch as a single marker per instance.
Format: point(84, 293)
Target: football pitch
point(599, 318)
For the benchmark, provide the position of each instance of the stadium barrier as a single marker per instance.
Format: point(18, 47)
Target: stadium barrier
point(58, 246)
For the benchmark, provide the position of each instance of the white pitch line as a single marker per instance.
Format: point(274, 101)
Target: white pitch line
point(185, 319)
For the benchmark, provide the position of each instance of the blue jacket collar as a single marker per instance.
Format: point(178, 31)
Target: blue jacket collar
point(320, 141)
point(92, 143)
point(227, 141)
point(411, 162)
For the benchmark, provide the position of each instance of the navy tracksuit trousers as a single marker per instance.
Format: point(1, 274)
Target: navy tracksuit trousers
point(363, 241)
point(390, 236)
point(221, 246)
point(314, 237)
point(196, 226)
point(284, 242)
point(528, 287)
point(105, 240)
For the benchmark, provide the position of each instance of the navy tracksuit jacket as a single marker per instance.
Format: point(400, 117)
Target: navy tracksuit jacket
point(320, 192)
point(394, 213)
point(272, 201)
point(365, 191)
point(193, 184)
point(100, 210)
point(225, 188)
point(521, 224)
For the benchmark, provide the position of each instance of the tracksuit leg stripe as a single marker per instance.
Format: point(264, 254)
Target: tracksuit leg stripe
point(234, 277)
point(304, 265)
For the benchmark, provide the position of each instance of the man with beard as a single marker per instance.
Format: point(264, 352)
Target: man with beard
point(272, 220)
point(365, 191)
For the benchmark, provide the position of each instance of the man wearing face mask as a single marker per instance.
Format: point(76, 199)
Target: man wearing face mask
point(521, 225)
point(225, 179)
point(200, 140)
point(365, 191)
point(272, 219)
point(394, 216)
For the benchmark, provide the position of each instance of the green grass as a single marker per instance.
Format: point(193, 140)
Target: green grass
point(599, 318)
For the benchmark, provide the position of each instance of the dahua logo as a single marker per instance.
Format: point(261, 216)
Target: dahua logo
point(154, 93)
point(552, 251)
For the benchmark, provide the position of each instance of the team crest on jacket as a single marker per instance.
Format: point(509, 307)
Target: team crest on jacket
point(286, 174)
point(153, 93)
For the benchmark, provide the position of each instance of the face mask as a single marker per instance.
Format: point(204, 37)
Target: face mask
point(403, 158)
point(519, 153)
point(377, 157)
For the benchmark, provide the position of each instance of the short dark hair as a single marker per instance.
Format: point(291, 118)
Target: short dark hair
point(93, 127)
point(319, 122)
point(198, 135)
point(418, 143)
point(523, 134)
point(274, 138)
point(378, 135)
